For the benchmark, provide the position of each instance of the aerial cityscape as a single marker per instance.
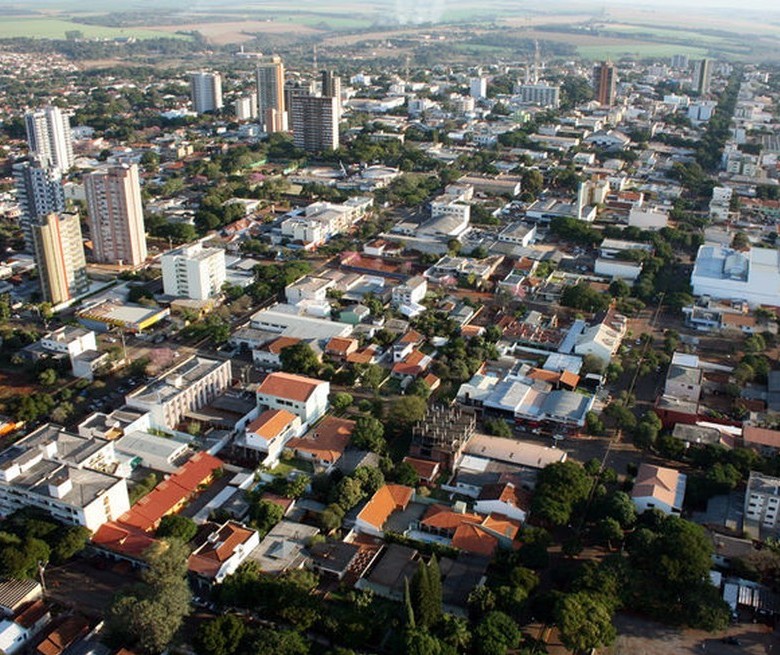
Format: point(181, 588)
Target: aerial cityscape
point(415, 327)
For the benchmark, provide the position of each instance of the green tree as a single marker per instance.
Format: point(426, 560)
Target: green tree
point(341, 401)
point(175, 525)
point(404, 473)
point(220, 636)
point(426, 594)
point(20, 558)
point(498, 427)
point(279, 642)
point(264, 515)
point(496, 634)
point(69, 542)
point(300, 359)
point(584, 621)
point(559, 487)
point(371, 376)
point(407, 411)
point(368, 434)
point(48, 377)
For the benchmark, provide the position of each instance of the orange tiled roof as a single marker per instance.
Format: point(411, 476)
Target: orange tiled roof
point(570, 379)
point(425, 468)
point(739, 320)
point(761, 436)
point(289, 386)
point(432, 381)
point(384, 502)
point(71, 629)
point(122, 539)
point(442, 517)
point(656, 482)
point(278, 345)
point(413, 364)
point(546, 376)
point(470, 538)
point(327, 441)
point(412, 336)
point(208, 558)
point(341, 346)
point(364, 356)
point(271, 423)
point(506, 493)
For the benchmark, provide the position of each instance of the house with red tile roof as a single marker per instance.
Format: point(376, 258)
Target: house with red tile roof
point(63, 635)
point(368, 355)
point(657, 487)
point(387, 500)
point(269, 433)
point(504, 499)
point(427, 469)
point(325, 443)
point(762, 439)
point(223, 551)
point(469, 532)
point(305, 397)
point(267, 358)
point(413, 365)
point(340, 348)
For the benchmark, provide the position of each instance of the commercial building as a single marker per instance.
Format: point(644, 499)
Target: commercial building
point(125, 316)
point(206, 91)
point(49, 137)
point(544, 95)
point(315, 123)
point(193, 272)
point(270, 94)
point(59, 254)
point(39, 193)
point(64, 474)
point(702, 75)
point(191, 385)
point(286, 321)
point(116, 215)
point(752, 276)
point(408, 296)
point(478, 87)
point(605, 83)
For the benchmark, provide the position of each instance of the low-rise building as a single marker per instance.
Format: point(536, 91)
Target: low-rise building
point(305, 397)
point(388, 499)
point(658, 488)
point(762, 506)
point(194, 272)
point(223, 551)
point(725, 273)
point(269, 433)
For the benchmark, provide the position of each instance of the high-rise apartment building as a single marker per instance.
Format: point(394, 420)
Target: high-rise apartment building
point(49, 137)
point(116, 216)
point(206, 91)
point(605, 83)
point(39, 193)
point(315, 123)
point(59, 254)
point(680, 61)
point(478, 87)
point(193, 272)
point(297, 87)
point(246, 107)
point(331, 87)
point(270, 88)
point(702, 75)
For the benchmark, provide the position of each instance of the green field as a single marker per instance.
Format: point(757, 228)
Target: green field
point(55, 28)
point(638, 51)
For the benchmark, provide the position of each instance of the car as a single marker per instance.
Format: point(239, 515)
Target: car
point(731, 640)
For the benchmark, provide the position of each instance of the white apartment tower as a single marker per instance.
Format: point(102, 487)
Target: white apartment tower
point(49, 137)
point(116, 216)
point(39, 193)
point(315, 123)
point(702, 75)
point(478, 87)
point(206, 91)
point(59, 254)
point(193, 272)
point(246, 107)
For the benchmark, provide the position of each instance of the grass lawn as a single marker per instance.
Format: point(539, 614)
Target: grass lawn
point(55, 28)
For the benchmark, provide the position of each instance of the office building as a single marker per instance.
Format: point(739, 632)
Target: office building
point(206, 91)
point(39, 193)
point(315, 123)
point(702, 75)
point(544, 95)
point(605, 83)
point(59, 254)
point(270, 89)
point(49, 137)
point(193, 272)
point(478, 87)
point(191, 385)
point(116, 216)
point(246, 107)
point(64, 474)
point(726, 274)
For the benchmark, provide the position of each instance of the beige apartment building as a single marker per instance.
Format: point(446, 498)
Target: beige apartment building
point(59, 253)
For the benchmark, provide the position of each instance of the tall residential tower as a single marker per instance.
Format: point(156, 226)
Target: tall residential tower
point(605, 83)
point(206, 91)
point(49, 137)
point(59, 254)
point(116, 217)
point(39, 193)
point(315, 123)
point(270, 94)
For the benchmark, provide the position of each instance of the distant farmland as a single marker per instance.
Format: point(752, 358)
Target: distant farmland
point(55, 28)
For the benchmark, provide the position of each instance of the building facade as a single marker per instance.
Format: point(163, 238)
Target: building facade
point(193, 272)
point(206, 91)
point(315, 123)
point(49, 137)
point(270, 88)
point(605, 83)
point(116, 215)
point(39, 193)
point(59, 254)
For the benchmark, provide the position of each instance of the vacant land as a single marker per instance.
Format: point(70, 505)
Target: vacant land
point(225, 33)
point(55, 28)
